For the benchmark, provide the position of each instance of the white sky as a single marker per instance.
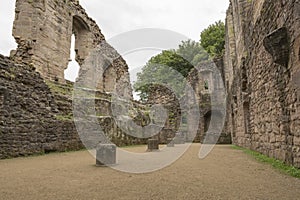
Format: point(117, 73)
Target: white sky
point(114, 17)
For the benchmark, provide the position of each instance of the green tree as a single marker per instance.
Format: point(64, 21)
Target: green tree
point(167, 68)
point(213, 39)
point(192, 52)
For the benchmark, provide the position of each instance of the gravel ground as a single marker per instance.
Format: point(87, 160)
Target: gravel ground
point(225, 174)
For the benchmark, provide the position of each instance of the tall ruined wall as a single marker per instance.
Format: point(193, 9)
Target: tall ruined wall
point(161, 95)
point(36, 104)
point(43, 30)
point(207, 83)
point(262, 67)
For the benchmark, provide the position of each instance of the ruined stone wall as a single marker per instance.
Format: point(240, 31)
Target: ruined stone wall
point(207, 83)
point(36, 103)
point(43, 31)
point(261, 68)
point(36, 116)
point(163, 96)
point(29, 119)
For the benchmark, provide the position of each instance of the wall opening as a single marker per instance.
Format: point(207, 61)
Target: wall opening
point(206, 85)
point(299, 53)
point(233, 121)
point(71, 73)
point(83, 39)
point(246, 117)
point(213, 121)
point(207, 119)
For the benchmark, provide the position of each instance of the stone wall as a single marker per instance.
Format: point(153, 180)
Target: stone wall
point(29, 116)
point(43, 30)
point(36, 102)
point(162, 96)
point(262, 67)
point(207, 83)
point(36, 116)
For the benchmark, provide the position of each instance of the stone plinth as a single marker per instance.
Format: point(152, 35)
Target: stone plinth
point(153, 145)
point(106, 154)
point(170, 142)
point(179, 140)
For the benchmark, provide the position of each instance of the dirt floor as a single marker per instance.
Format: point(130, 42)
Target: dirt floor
point(225, 174)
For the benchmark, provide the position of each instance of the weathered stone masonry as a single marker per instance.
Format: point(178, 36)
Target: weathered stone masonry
point(35, 100)
point(28, 115)
point(43, 31)
point(262, 66)
point(207, 83)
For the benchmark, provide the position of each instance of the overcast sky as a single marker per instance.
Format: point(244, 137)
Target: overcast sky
point(114, 17)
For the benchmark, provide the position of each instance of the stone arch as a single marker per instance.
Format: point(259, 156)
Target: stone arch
point(83, 43)
point(211, 128)
point(214, 125)
point(207, 119)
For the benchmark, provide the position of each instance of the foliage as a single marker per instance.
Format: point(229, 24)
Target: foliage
point(192, 52)
point(164, 67)
point(68, 117)
point(61, 89)
point(168, 69)
point(277, 164)
point(213, 39)
point(173, 60)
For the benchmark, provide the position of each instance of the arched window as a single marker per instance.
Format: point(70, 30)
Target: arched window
point(206, 85)
point(71, 73)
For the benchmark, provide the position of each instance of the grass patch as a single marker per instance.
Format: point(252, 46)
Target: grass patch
point(68, 117)
point(57, 88)
point(277, 164)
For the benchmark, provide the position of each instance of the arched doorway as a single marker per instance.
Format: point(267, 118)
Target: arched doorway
point(213, 125)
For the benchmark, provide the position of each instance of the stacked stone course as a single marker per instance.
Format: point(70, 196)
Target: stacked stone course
point(261, 66)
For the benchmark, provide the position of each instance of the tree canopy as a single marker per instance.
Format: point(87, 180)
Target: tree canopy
point(172, 66)
point(167, 68)
point(213, 39)
point(192, 52)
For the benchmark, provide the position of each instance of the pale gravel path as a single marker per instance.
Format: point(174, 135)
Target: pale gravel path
point(225, 174)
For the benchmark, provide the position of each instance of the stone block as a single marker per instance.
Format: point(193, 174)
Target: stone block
point(153, 145)
point(170, 142)
point(106, 154)
point(179, 140)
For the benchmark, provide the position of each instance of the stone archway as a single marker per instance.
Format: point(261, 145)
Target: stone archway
point(212, 124)
point(83, 42)
point(207, 120)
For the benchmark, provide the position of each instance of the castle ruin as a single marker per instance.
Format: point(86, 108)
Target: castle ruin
point(260, 70)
